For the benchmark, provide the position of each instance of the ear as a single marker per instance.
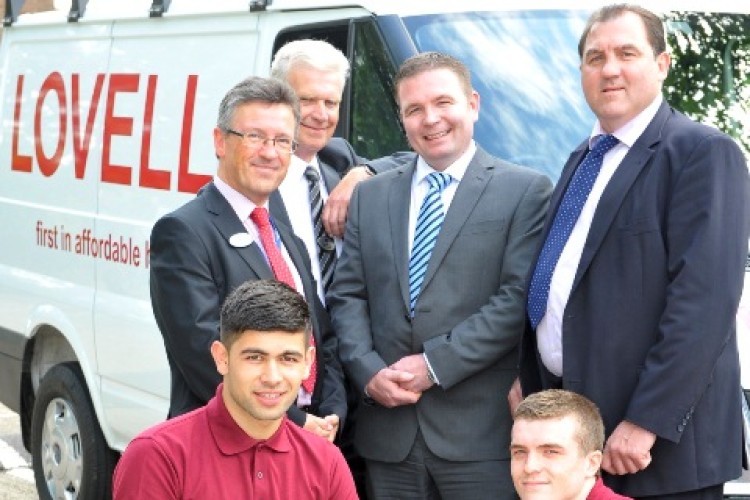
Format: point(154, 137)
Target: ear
point(474, 104)
point(219, 142)
point(663, 61)
point(309, 357)
point(221, 357)
point(593, 463)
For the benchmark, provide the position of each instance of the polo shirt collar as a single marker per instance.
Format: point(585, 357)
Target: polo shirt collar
point(231, 439)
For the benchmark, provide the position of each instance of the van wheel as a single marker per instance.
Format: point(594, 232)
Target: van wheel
point(71, 459)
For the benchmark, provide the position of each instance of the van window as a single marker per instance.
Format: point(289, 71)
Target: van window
point(376, 127)
point(525, 67)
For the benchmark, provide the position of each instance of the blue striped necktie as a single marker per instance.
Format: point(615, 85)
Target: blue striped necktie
point(429, 220)
point(567, 214)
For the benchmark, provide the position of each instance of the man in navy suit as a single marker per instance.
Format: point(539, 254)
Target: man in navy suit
point(211, 245)
point(640, 310)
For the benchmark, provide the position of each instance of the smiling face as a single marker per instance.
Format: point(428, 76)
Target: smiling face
point(438, 115)
point(620, 74)
point(547, 461)
point(319, 95)
point(255, 171)
point(262, 374)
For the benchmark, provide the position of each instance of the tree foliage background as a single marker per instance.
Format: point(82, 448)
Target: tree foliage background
point(710, 75)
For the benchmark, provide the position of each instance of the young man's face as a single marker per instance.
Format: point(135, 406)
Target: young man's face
point(620, 75)
point(438, 116)
point(262, 374)
point(547, 462)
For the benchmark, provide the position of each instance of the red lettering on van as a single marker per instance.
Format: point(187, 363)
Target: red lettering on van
point(152, 178)
point(53, 83)
point(117, 125)
point(186, 181)
point(81, 145)
point(19, 162)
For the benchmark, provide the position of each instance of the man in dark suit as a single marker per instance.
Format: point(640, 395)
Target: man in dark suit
point(208, 247)
point(429, 363)
point(635, 308)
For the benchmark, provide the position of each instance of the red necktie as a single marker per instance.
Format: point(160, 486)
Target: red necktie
point(281, 272)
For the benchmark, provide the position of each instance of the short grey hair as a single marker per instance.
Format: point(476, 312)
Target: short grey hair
point(257, 89)
point(315, 54)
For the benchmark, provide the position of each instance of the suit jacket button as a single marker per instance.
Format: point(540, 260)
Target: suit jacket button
point(680, 428)
point(407, 318)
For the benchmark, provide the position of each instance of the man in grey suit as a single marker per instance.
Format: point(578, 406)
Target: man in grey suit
point(217, 241)
point(432, 359)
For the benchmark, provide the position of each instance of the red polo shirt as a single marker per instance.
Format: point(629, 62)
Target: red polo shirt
point(601, 492)
point(205, 454)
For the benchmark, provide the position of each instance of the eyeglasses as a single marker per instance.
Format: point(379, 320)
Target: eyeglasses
point(254, 140)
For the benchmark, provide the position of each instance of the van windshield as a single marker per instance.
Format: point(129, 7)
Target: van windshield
point(525, 67)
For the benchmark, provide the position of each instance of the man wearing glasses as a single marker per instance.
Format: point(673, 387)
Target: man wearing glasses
point(224, 237)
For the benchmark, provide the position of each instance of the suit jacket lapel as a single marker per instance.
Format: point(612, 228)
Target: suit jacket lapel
point(399, 197)
point(228, 224)
point(467, 195)
point(329, 174)
point(300, 260)
point(619, 186)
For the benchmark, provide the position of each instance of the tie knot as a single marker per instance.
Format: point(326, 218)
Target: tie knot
point(311, 174)
point(260, 217)
point(604, 143)
point(438, 180)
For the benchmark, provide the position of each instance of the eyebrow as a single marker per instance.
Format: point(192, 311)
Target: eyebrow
point(253, 350)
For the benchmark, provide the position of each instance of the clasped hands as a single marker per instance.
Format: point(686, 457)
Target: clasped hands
point(402, 383)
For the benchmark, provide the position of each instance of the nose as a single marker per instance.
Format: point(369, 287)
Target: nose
point(318, 110)
point(431, 115)
point(271, 375)
point(268, 149)
point(532, 463)
point(611, 67)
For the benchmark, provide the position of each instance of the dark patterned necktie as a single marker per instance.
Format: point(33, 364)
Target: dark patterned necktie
point(567, 214)
point(325, 244)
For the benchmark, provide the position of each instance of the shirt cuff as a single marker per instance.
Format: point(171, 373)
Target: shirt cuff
point(430, 373)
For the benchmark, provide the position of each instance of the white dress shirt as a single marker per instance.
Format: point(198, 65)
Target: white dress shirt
point(296, 195)
point(549, 331)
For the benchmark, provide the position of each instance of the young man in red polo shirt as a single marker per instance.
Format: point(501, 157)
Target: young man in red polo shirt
point(241, 444)
point(556, 448)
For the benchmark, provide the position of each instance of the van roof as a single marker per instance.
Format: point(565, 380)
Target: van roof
point(118, 9)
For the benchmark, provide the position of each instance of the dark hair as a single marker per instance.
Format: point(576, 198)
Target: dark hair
point(427, 61)
point(558, 403)
point(263, 306)
point(256, 89)
point(651, 22)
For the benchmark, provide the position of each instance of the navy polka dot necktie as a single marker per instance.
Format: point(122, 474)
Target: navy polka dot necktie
point(567, 214)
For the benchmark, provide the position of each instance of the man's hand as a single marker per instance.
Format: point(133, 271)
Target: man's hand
point(386, 388)
point(417, 366)
point(515, 395)
point(628, 449)
point(337, 204)
point(325, 427)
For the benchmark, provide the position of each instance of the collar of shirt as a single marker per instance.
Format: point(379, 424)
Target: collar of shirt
point(295, 176)
point(456, 170)
point(631, 131)
point(419, 188)
point(231, 439)
point(240, 204)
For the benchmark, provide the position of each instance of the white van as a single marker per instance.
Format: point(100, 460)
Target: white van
point(107, 110)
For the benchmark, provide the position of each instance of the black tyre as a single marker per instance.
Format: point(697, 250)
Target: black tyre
point(70, 456)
